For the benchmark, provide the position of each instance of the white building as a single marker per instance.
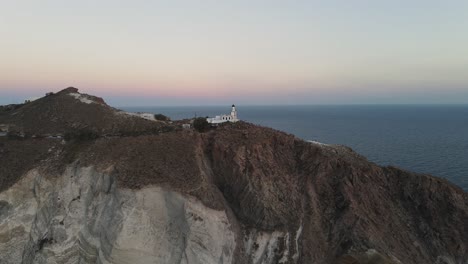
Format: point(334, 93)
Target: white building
point(224, 118)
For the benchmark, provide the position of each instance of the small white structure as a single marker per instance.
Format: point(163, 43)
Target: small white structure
point(224, 118)
point(3, 130)
point(29, 100)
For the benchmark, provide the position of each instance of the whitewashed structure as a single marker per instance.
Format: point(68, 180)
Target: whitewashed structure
point(3, 130)
point(224, 118)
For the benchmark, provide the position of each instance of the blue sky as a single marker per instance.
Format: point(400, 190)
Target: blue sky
point(250, 52)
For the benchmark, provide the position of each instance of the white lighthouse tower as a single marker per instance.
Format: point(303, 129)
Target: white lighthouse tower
point(234, 114)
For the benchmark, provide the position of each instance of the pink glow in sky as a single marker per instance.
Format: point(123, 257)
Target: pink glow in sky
point(211, 52)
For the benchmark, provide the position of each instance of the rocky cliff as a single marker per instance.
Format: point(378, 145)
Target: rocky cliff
point(236, 194)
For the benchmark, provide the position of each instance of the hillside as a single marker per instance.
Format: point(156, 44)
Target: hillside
point(71, 111)
point(240, 193)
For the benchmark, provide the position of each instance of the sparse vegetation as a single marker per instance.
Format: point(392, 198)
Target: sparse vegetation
point(14, 135)
point(81, 135)
point(11, 107)
point(200, 124)
point(161, 117)
point(19, 156)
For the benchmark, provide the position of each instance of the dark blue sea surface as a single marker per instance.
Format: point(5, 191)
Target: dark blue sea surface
point(421, 138)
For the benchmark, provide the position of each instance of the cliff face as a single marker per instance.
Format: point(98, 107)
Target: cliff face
point(237, 194)
point(82, 217)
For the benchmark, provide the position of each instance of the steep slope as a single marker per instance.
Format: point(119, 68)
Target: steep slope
point(237, 194)
point(71, 111)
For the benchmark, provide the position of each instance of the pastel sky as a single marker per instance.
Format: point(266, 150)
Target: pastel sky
point(248, 52)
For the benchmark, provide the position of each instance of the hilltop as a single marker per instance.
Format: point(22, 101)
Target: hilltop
point(146, 191)
point(70, 111)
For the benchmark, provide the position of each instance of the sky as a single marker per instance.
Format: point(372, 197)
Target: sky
point(215, 52)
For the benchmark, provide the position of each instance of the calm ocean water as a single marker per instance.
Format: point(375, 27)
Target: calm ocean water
point(422, 138)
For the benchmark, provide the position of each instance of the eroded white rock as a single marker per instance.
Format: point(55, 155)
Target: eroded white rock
point(82, 217)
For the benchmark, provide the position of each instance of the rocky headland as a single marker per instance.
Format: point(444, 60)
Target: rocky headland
point(82, 182)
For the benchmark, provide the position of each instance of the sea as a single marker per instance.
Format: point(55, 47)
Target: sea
point(430, 139)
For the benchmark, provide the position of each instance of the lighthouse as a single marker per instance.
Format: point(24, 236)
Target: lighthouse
point(234, 113)
point(224, 118)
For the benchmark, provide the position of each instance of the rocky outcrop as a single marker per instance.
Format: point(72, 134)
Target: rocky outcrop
point(237, 194)
point(82, 217)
